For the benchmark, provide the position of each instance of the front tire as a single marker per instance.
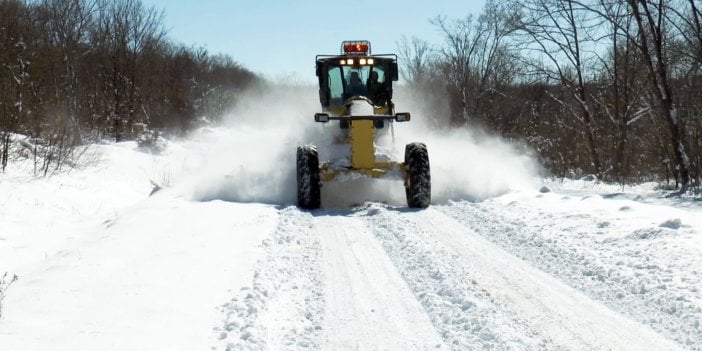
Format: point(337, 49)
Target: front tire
point(308, 182)
point(418, 178)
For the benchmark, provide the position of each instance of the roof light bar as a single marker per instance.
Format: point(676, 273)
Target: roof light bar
point(355, 47)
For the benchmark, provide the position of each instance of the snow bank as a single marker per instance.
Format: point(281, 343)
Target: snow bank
point(100, 262)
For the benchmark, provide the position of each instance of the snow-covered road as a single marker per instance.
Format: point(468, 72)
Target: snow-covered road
point(388, 278)
point(365, 293)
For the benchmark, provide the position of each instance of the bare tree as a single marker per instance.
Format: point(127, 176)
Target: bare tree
point(476, 58)
point(415, 58)
point(66, 26)
point(650, 18)
point(419, 69)
point(126, 30)
point(14, 66)
point(686, 17)
point(619, 95)
point(560, 39)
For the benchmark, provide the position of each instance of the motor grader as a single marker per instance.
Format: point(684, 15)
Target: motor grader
point(355, 91)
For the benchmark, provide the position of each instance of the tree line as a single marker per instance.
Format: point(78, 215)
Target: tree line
point(604, 87)
point(76, 71)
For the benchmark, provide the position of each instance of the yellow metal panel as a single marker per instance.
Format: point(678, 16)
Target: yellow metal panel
point(336, 110)
point(381, 110)
point(362, 150)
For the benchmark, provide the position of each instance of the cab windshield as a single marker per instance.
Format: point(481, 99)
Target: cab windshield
point(348, 81)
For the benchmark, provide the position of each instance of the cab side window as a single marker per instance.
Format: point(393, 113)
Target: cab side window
point(336, 86)
point(377, 87)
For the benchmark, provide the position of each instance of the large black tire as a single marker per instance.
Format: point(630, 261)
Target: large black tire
point(418, 178)
point(308, 183)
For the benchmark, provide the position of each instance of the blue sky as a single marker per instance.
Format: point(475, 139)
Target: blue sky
point(280, 38)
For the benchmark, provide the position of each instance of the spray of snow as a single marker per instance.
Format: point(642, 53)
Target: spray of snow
point(252, 158)
point(467, 164)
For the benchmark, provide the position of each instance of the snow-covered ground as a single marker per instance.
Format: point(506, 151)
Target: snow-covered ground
point(221, 259)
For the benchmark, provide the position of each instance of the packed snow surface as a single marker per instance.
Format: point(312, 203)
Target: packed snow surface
point(220, 258)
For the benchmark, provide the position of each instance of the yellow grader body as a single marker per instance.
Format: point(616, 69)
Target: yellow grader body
point(351, 82)
point(362, 140)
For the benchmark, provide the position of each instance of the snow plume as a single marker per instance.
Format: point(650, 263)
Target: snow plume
point(468, 166)
point(251, 158)
point(466, 163)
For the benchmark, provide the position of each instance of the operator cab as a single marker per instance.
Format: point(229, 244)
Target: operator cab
point(356, 74)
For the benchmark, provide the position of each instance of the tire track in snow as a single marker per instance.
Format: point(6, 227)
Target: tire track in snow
point(465, 315)
point(595, 255)
point(479, 296)
point(283, 307)
point(368, 304)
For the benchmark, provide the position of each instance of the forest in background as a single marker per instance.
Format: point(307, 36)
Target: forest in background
point(596, 87)
point(604, 87)
point(79, 71)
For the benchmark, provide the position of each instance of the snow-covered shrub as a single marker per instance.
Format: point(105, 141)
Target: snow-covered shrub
point(50, 154)
point(151, 141)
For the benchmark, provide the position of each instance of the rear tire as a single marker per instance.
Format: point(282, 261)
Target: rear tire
point(308, 182)
point(418, 178)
